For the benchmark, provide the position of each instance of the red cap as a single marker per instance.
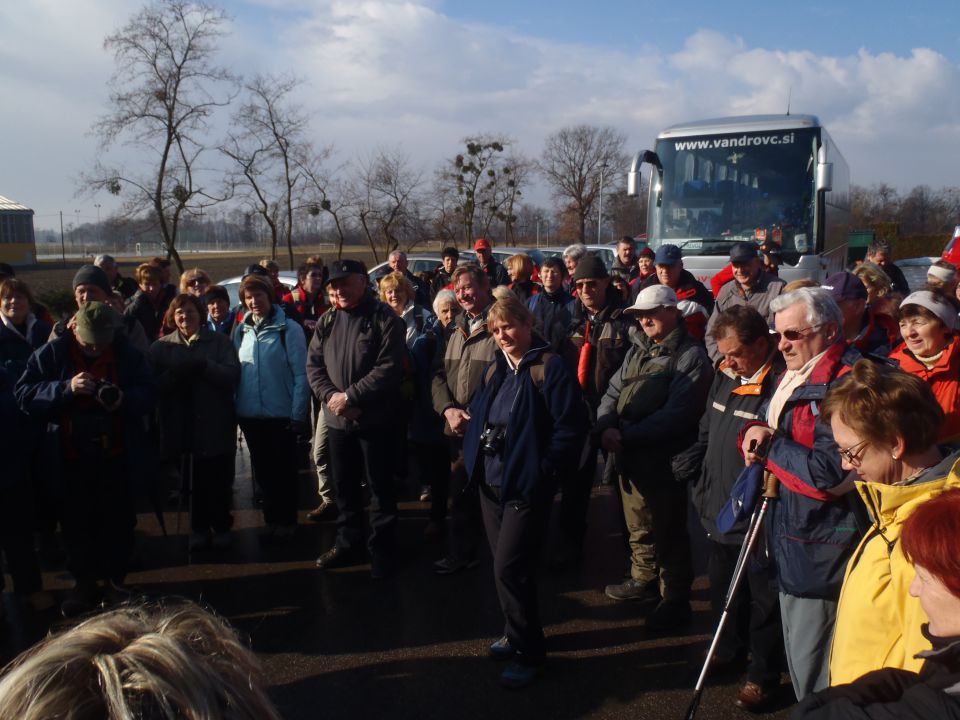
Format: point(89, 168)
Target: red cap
point(481, 244)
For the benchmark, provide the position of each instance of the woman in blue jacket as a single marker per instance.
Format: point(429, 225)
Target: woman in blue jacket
point(528, 421)
point(272, 401)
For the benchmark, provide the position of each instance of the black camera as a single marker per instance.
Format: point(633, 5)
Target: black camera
point(491, 440)
point(106, 393)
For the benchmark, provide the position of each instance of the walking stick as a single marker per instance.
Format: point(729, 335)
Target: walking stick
point(770, 492)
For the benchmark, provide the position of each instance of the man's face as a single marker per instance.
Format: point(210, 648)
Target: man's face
point(484, 255)
point(449, 263)
point(313, 281)
point(747, 273)
point(659, 323)
point(625, 253)
point(744, 360)
point(852, 309)
point(472, 297)
point(551, 277)
point(347, 292)
point(805, 342)
point(151, 288)
point(669, 275)
point(593, 293)
point(398, 262)
point(879, 258)
point(88, 293)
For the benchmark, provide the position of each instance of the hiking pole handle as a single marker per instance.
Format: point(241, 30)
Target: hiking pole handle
point(771, 486)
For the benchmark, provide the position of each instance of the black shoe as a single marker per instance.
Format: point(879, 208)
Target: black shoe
point(669, 615)
point(634, 590)
point(451, 565)
point(338, 557)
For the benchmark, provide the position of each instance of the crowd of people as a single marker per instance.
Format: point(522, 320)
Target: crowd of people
point(493, 389)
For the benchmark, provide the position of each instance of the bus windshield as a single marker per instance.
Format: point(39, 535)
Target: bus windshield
point(721, 189)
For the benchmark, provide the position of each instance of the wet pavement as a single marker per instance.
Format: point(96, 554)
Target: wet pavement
point(338, 644)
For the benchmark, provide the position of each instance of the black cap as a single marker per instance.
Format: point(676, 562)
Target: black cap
point(255, 270)
point(343, 268)
point(742, 252)
point(590, 267)
point(92, 275)
point(217, 292)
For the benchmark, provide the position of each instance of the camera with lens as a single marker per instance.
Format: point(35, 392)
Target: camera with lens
point(106, 393)
point(491, 440)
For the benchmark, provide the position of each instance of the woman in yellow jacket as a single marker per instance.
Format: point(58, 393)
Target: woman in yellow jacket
point(886, 424)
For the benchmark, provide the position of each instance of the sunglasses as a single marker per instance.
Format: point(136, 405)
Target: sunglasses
point(198, 281)
point(795, 335)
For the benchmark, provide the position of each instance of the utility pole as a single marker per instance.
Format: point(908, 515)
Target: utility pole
point(63, 247)
point(600, 210)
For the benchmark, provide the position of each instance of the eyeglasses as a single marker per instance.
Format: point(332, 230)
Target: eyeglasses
point(914, 323)
point(853, 458)
point(795, 335)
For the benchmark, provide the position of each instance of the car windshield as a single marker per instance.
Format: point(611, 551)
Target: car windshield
point(722, 189)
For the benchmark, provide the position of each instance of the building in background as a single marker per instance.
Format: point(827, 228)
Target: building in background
point(17, 242)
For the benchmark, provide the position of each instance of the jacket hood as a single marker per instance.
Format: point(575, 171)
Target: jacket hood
point(276, 320)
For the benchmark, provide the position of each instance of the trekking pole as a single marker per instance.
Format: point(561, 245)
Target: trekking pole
point(770, 492)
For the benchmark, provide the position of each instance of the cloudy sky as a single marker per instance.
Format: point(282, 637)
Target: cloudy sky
point(422, 74)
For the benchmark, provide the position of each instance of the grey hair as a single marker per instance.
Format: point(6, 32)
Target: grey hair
point(443, 297)
point(170, 661)
point(821, 307)
point(575, 251)
point(395, 254)
point(878, 246)
point(101, 260)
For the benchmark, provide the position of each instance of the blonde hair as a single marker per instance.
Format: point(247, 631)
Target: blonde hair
point(168, 661)
point(397, 281)
point(800, 283)
point(190, 275)
point(510, 309)
point(522, 265)
point(874, 279)
point(148, 272)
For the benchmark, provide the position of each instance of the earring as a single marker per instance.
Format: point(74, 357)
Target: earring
point(894, 456)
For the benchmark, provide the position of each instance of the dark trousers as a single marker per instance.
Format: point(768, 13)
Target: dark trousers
point(434, 464)
point(465, 523)
point(273, 455)
point(355, 455)
point(515, 532)
point(576, 486)
point(99, 519)
point(754, 621)
point(211, 485)
point(16, 538)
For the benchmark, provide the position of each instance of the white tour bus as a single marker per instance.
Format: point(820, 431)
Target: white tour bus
point(751, 178)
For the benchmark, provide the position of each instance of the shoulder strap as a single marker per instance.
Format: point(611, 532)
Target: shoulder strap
point(418, 318)
point(538, 371)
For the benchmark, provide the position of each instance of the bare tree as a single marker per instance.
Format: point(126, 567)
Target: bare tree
point(514, 175)
point(572, 161)
point(327, 194)
point(268, 144)
point(477, 174)
point(164, 89)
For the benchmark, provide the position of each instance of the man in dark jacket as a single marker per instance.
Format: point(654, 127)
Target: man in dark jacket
point(123, 285)
point(750, 285)
point(355, 366)
point(552, 307)
point(870, 332)
point(496, 273)
point(597, 342)
point(879, 253)
point(626, 262)
point(470, 349)
point(423, 295)
point(92, 388)
point(694, 300)
point(443, 275)
point(812, 528)
point(743, 384)
point(648, 414)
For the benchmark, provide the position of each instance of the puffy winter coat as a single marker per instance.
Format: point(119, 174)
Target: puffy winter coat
point(944, 380)
point(466, 357)
point(878, 621)
point(273, 367)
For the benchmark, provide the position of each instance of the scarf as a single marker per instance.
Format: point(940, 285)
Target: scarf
point(791, 380)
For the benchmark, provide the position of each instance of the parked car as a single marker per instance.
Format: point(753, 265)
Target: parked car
point(232, 285)
point(426, 262)
point(607, 253)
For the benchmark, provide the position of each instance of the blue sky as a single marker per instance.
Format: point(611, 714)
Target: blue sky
point(420, 75)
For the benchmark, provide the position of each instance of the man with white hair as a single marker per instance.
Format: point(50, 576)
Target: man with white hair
point(423, 294)
point(812, 527)
point(648, 414)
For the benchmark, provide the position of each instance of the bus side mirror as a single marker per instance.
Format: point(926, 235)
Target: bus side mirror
point(824, 176)
point(633, 176)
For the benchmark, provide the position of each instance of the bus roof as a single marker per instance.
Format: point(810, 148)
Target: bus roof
point(743, 123)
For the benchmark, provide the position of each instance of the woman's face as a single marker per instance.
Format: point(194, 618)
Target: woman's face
point(515, 271)
point(257, 302)
point(218, 309)
point(15, 307)
point(922, 335)
point(872, 462)
point(512, 337)
point(448, 311)
point(198, 286)
point(940, 605)
point(551, 278)
point(187, 319)
point(645, 264)
point(396, 299)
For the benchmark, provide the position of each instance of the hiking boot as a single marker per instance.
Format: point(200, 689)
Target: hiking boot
point(501, 649)
point(752, 697)
point(326, 510)
point(669, 615)
point(451, 565)
point(634, 590)
point(338, 557)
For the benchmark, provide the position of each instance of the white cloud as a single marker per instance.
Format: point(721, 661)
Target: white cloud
point(404, 73)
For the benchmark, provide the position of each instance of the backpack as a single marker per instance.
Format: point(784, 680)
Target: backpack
point(537, 372)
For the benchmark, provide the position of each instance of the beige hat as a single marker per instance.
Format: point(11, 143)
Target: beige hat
point(653, 297)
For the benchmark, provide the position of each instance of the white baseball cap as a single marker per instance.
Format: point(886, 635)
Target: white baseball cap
point(653, 297)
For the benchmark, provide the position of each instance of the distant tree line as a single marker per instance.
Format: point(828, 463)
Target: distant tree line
point(922, 211)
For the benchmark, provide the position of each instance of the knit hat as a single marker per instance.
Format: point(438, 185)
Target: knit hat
point(92, 275)
point(590, 267)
